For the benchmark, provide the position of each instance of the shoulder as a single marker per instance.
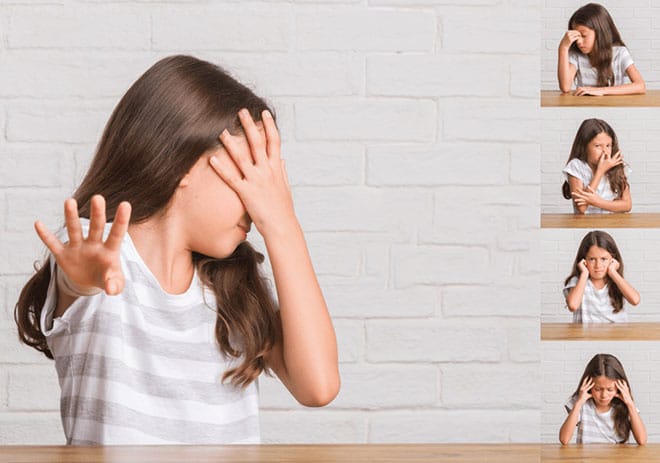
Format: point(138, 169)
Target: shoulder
point(571, 283)
point(578, 168)
point(622, 55)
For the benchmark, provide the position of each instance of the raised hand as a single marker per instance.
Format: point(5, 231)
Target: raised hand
point(585, 387)
point(255, 171)
point(613, 267)
point(624, 392)
point(607, 161)
point(585, 197)
point(89, 262)
point(568, 38)
point(582, 267)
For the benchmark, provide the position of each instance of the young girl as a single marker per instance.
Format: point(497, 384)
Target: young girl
point(595, 289)
point(602, 406)
point(160, 322)
point(592, 55)
point(595, 172)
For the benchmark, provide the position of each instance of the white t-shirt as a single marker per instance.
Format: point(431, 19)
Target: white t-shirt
point(594, 427)
point(596, 306)
point(143, 367)
point(582, 171)
point(587, 75)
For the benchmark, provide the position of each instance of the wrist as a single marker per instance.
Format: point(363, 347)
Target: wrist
point(67, 286)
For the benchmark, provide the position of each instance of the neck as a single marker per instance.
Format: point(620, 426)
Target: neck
point(162, 248)
point(598, 282)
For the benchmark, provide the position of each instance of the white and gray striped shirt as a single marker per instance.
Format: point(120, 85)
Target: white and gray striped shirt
point(594, 427)
point(144, 367)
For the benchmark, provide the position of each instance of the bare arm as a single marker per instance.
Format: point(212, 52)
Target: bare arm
point(636, 86)
point(305, 359)
point(565, 70)
point(636, 424)
point(629, 293)
point(571, 421)
point(575, 294)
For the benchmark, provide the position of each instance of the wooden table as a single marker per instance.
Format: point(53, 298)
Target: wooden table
point(557, 98)
point(600, 331)
point(631, 220)
point(365, 453)
point(600, 453)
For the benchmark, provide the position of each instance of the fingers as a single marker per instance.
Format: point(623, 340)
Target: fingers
point(49, 239)
point(255, 138)
point(119, 226)
point(114, 283)
point(72, 221)
point(96, 218)
point(228, 172)
point(273, 141)
point(238, 153)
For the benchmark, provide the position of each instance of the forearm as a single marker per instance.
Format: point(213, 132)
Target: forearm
point(637, 425)
point(614, 205)
point(564, 73)
point(629, 293)
point(567, 429)
point(575, 294)
point(309, 349)
point(633, 88)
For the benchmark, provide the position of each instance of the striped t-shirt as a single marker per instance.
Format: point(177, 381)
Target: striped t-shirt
point(143, 367)
point(596, 306)
point(594, 427)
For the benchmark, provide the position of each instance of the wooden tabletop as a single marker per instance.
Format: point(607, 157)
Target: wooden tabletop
point(360, 453)
point(600, 453)
point(631, 220)
point(557, 98)
point(600, 331)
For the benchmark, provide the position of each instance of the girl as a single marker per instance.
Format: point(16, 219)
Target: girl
point(160, 322)
point(602, 406)
point(595, 178)
point(595, 289)
point(592, 55)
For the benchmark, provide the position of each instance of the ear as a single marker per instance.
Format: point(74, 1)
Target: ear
point(185, 181)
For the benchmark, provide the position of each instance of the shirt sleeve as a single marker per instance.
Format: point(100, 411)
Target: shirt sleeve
point(569, 405)
point(571, 284)
point(573, 58)
point(624, 58)
point(576, 168)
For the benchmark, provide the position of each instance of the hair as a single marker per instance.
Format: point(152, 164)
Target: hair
point(609, 366)
point(163, 124)
point(587, 131)
point(604, 241)
point(597, 18)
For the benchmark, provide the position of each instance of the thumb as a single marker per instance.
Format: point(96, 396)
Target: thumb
point(114, 284)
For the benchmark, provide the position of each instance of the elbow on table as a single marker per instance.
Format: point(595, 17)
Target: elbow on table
point(321, 394)
point(565, 88)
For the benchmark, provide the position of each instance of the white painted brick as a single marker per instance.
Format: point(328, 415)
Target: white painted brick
point(11, 287)
point(313, 427)
point(517, 385)
point(219, 28)
point(25, 206)
point(14, 352)
point(362, 30)
point(525, 161)
point(365, 298)
point(521, 70)
point(453, 426)
point(327, 209)
point(3, 388)
point(434, 341)
point(41, 428)
point(523, 341)
point(298, 74)
point(98, 26)
point(443, 164)
point(329, 164)
point(15, 247)
point(33, 165)
point(504, 120)
point(437, 75)
point(70, 73)
point(335, 253)
point(519, 298)
point(33, 388)
point(368, 120)
point(439, 265)
point(370, 387)
point(350, 340)
point(56, 122)
point(492, 30)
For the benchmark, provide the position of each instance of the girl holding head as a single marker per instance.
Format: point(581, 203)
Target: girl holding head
point(595, 289)
point(160, 322)
point(595, 173)
point(592, 55)
point(602, 406)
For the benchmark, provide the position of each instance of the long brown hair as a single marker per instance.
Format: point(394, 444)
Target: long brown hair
point(168, 118)
point(609, 366)
point(597, 18)
point(605, 241)
point(587, 131)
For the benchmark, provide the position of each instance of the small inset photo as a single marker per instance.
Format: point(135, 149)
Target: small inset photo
point(597, 54)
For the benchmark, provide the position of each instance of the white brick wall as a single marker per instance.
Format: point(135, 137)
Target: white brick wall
point(639, 250)
point(638, 23)
point(564, 362)
point(411, 132)
point(637, 130)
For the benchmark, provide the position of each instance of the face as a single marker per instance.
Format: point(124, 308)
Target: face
point(587, 39)
point(597, 259)
point(597, 147)
point(604, 391)
point(214, 217)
